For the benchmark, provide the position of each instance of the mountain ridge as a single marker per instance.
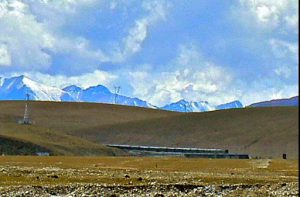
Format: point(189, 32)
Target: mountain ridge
point(292, 101)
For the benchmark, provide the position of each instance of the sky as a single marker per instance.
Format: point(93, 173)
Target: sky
point(160, 51)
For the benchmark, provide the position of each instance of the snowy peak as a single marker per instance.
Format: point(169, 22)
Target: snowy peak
point(72, 88)
point(200, 106)
point(43, 92)
point(124, 100)
point(14, 82)
point(98, 89)
point(102, 94)
point(74, 92)
point(15, 88)
point(189, 106)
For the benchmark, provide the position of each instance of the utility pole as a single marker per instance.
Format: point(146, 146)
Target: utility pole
point(117, 90)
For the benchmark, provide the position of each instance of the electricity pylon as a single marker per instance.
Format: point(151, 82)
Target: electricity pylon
point(26, 118)
point(117, 90)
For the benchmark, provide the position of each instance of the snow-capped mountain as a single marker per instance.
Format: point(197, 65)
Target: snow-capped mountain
point(233, 104)
point(101, 94)
point(293, 101)
point(201, 106)
point(74, 92)
point(16, 88)
point(188, 106)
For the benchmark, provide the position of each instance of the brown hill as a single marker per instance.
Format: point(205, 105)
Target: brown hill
point(82, 128)
point(53, 120)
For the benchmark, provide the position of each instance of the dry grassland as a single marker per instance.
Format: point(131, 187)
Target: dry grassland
point(130, 176)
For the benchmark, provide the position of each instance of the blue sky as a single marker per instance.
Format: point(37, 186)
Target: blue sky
point(160, 51)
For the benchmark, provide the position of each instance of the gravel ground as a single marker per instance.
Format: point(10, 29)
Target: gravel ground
point(283, 189)
point(153, 177)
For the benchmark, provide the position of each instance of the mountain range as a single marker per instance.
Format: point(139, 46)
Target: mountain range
point(200, 106)
point(15, 88)
point(101, 94)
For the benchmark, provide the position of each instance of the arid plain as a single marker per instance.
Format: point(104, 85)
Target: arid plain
point(133, 176)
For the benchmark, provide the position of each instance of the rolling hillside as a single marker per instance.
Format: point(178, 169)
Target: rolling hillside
point(83, 128)
point(52, 120)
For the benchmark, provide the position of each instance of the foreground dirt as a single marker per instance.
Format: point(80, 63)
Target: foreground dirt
point(289, 189)
point(128, 176)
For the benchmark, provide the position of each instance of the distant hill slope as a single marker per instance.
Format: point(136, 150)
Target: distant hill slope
point(264, 132)
point(82, 128)
point(294, 101)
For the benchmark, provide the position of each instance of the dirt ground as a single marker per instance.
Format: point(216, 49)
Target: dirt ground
point(140, 176)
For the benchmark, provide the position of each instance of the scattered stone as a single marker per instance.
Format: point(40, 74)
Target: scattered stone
point(53, 176)
point(140, 179)
point(127, 176)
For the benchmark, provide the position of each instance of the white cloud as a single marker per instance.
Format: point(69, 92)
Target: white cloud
point(192, 79)
point(283, 71)
point(85, 80)
point(210, 84)
point(292, 21)
point(133, 42)
point(283, 49)
point(33, 33)
point(156, 11)
point(55, 13)
point(272, 14)
point(264, 90)
point(26, 39)
point(287, 57)
point(66, 5)
point(5, 59)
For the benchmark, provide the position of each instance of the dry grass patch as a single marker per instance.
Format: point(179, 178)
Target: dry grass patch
point(131, 170)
